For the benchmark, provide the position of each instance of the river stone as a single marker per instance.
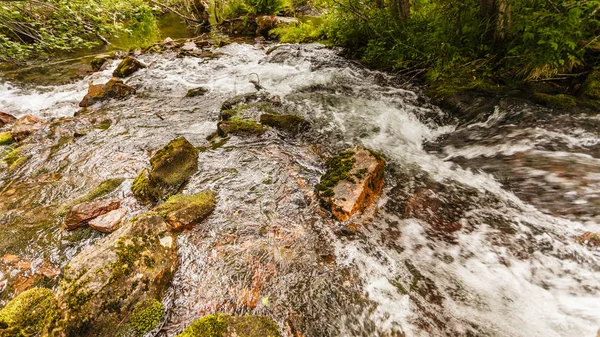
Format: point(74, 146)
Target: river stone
point(25, 126)
point(109, 222)
point(109, 281)
point(184, 211)
point(127, 67)
point(98, 62)
point(289, 123)
point(200, 91)
point(239, 127)
point(6, 119)
point(172, 166)
point(25, 314)
point(354, 179)
point(114, 88)
point(81, 214)
point(223, 325)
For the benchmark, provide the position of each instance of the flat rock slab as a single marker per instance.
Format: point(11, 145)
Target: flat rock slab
point(114, 88)
point(25, 126)
point(6, 118)
point(108, 222)
point(353, 181)
point(82, 213)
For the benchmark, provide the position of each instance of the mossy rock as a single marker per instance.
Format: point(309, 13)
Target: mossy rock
point(223, 325)
point(112, 287)
point(289, 123)
point(590, 89)
point(560, 101)
point(196, 92)
point(172, 166)
point(14, 159)
point(104, 188)
point(25, 314)
point(113, 89)
point(127, 67)
point(97, 62)
point(185, 211)
point(239, 127)
point(6, 138)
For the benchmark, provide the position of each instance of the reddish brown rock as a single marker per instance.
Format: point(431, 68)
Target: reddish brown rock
point(25, 126)
point(6, 118)
point(114, 88)
point(82, 213)
point(589, 239)
point(353, 181)
point(108, 222)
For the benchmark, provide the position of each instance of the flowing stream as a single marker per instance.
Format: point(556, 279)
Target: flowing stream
point(475, 233)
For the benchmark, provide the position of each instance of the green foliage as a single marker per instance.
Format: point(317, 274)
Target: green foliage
point(35, 28)
point(304, 32)
point(240, 8)
point(539, 39)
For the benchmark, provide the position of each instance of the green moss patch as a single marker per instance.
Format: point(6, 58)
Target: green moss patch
point(289, 123)
point(104, 188)
point(240, 127)
point(14, 159)
point(146, 315)
point(183, 211)
point(143, 189)
point(196, 92)
point(216, 325)
point(6, 138)
point(560, 101)
point(338, 169)
point(590, 88)
point(25, 314)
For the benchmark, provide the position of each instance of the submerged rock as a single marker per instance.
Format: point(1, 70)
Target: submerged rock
point(112, 287)
point(184, 211)
point(223, 325)
point(172, 166)
point(108, 222)
point(196, 92)
point(127, 67)
point(82, 213)
point(590, 89)
point(6, 119)
point(353, 180)
point(25, 314)
point(25, 126)
point(114, 88)
point(289, 123)
point(240, 127)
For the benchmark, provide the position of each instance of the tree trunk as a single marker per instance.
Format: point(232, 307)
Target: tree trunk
point(497, 18)
point(400, 9)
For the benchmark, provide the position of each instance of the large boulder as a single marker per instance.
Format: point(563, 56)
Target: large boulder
point(25, 126)
point(112, 287)
point(184, 211)
point(114, 88)
point(6, 119)
point(81, 214)
point(354, 179)
point(223, 325)
point(171, 167)
point(25, 314)
point(127, 67)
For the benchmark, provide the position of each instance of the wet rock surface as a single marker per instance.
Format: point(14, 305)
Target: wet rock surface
point(127, 67)
point(113, 89)
point(81, 214)
point(171, 167)
point(6, 119)
point(185, 211)
point(108, 222)
point(104, 284)
point(353, 181)
point(26, 126)
point(231, 326)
